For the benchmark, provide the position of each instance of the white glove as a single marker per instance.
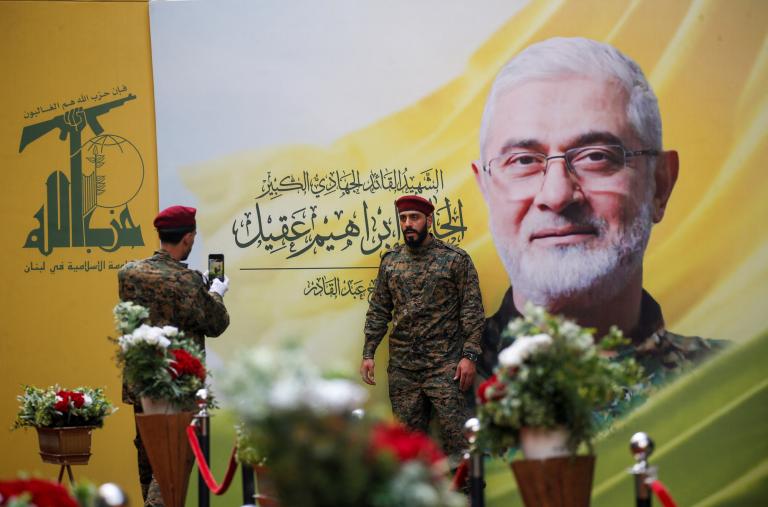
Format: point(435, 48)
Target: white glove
point(220, 287)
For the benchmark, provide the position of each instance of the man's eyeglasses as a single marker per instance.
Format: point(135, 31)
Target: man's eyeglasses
point(585, 162)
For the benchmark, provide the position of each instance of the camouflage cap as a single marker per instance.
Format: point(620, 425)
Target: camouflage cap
point(414, 203)
point(176, 217)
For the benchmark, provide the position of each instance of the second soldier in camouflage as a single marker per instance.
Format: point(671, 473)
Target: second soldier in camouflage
point(430, 292)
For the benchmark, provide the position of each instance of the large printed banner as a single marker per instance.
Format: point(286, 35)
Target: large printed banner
point(77, 148)
point(293, 129)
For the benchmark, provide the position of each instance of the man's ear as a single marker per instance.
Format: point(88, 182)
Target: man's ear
point(665, 176)
point(477, 170)
point(429, 220)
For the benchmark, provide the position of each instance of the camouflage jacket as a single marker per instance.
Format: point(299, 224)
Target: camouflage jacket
point(432, 296)
point(661, 353)
point(175, 296)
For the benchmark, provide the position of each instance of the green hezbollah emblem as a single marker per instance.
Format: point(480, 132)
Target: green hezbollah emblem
point(116, 173)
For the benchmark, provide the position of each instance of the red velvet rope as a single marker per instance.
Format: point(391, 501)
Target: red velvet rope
point(203, 466)
point(460, 477)
point(662, 494)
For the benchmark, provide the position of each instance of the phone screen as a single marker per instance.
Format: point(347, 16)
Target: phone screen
point(216, 266)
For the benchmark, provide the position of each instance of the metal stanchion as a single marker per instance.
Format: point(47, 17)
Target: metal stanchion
point(203, 493)
point(641, 446)
point(249, 485)
point(475, 457)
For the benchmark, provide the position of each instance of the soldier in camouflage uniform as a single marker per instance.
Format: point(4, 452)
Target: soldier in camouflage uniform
point(574, 175)
point(433, 290)
point(174, 295)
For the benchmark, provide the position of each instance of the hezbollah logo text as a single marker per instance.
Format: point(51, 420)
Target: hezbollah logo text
point(115, 173)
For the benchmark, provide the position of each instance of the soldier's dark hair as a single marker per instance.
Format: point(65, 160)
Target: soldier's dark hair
point(173, 236)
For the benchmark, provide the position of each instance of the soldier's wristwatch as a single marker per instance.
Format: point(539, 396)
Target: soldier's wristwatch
point(469, 355)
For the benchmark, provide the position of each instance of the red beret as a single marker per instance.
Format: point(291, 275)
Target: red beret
point(414, 203)
point(176, 217)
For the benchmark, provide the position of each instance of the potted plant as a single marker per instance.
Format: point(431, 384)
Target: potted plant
point(296, 419)
point(552, 382)
point(162, 367)
point(164, 370)
point(63, 419)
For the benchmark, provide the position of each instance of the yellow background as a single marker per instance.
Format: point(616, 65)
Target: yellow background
point(55, 326)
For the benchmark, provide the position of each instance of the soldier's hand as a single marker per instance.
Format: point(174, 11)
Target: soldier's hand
point(366, 371)
point(220, 287)
point(465, 374)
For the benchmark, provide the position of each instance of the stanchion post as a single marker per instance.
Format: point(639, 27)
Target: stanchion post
point(249, 484)
point(475, 457)
point(204, 437)
point(642, 446)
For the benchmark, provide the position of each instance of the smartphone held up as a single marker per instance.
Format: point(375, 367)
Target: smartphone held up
point(215, 266)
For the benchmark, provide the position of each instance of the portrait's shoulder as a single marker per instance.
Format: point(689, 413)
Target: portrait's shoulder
point(694, 345)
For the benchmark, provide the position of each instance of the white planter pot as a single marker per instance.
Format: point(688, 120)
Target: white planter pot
point(544, 443)
point(152, 406)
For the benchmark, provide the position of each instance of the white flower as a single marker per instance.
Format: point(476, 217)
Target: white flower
point(522, 348)
point(336, 395)
point(87, 400)
point(286, 394)
point(569, 328)
point(153, 335)
point(125, 341)
point(170, 331)
point(510, 357)
point(150, 334)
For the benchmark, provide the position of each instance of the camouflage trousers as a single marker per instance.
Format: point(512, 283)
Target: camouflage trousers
point(150, 490)
point(419, 396)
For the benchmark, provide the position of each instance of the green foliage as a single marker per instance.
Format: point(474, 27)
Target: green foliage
point(552, 375)
point(147, 356)
point(129, 316)
point(47, 408)
point(327, 455)
point(149, 371)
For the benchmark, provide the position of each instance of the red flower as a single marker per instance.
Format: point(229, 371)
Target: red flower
point(491, 382)
point(62, 401)
point(43, 493)
point(406, 445)
point(186, 364)
point(77, 399)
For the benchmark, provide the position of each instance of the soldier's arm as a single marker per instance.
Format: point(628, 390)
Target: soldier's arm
point(471, 313)
point(213, 318)
point(379, 313)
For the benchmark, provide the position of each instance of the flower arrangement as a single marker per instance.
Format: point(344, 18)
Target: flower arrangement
point(56, 407)
point(34, 492)
point(294, 418)
point(552, 375)
point(158, 362)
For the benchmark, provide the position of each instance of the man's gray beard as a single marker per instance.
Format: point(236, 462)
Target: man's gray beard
point(575, 272)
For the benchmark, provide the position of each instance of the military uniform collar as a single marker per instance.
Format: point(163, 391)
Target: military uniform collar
point(165, 256)
point(422, 249)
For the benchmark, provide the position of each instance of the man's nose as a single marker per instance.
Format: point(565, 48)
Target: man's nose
point(559, 188)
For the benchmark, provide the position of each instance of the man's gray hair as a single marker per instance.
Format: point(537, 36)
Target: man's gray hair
point(558, 57)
